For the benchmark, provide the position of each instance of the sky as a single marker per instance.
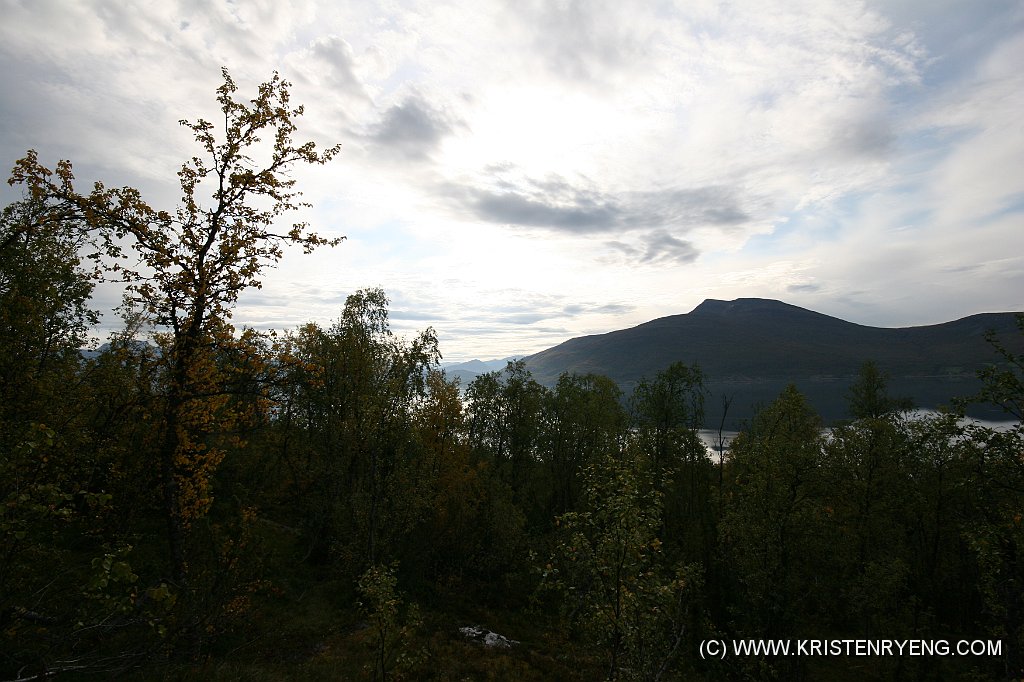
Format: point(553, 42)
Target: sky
point(515, 174)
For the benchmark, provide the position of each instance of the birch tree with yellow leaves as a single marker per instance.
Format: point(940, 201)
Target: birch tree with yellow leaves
point(186, 269)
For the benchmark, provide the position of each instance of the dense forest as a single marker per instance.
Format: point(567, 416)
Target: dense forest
point(199, 501)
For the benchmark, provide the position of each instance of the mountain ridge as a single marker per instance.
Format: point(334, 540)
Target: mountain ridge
point(751, 348)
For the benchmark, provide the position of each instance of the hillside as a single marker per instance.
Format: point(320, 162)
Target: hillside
point(465, 372)
point(751, 348)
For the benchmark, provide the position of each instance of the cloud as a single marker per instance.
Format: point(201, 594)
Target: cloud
point(808, 288)
point(413, 315)
point(581, 215)
point(603, 309)
point(412, 129)
point(334, 64)
point(523, 318)
point(579, 209)
point(657, 247)
point(586, 40)
point(511, 313)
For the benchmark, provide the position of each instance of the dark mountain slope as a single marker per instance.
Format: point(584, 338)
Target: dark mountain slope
point(751, 348)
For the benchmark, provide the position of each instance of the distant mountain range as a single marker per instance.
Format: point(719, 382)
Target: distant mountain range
point(467, 371)
point(752, 348)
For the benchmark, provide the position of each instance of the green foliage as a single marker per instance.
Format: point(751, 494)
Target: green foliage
point(192, 266)
point(62, 587)
point(668, 411)
point(504, 414)
point(505, 427)
point(868, 487)
point(112, 583)
point(450, 544)
point(44, 317)
point(1003, 383)
point(350, 430)
point(612, 579)
point(772, 526)
point(865, 496)
point(868, 397)
point(583, 419)
point(995, 531)
point(200, 258)
point(392, 622)
point(184, 275)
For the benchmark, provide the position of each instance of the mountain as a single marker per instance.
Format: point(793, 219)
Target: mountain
point(469, 370)
point(93, 353)
point(751, 348)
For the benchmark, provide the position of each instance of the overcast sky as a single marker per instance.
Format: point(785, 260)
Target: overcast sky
point(518, 173)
